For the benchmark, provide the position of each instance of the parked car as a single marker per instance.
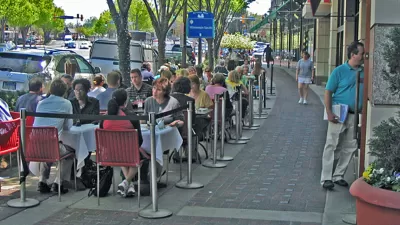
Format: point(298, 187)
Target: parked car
point(104, 54)
point(84, 45)
point(18, 67)
point(71, 44)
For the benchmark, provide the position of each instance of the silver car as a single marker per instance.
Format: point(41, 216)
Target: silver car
point(17, 68)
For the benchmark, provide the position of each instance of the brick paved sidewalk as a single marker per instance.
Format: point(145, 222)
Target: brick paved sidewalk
point(279, 170)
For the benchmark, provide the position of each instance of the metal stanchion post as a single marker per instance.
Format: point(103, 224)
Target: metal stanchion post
point(22, 202)
point(241, 116)
point(272, 80)
point(154, 212)
point(251, 125)
point(189, 184)
point(264, 89)
point(213, 163)
point(237, 139)
point(222, 156)
point(260, 99)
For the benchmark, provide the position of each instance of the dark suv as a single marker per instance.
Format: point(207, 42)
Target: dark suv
point(18, 67)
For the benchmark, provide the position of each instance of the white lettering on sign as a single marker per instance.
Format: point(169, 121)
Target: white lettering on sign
point(200, 27)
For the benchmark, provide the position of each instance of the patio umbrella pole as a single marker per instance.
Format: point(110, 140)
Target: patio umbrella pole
point(22, 202)
point(154, 212)
point(189, 184)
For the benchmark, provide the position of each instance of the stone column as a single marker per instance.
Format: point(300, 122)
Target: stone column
point(384, 29)
point(333, 36)
point(348, 33)
point(322, 51)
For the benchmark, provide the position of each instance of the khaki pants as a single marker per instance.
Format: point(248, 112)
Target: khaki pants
point(66, 165)
point(340, 145)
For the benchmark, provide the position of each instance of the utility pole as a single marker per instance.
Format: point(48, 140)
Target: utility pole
point(290, 34)
point(184, 49)
point(200, 49)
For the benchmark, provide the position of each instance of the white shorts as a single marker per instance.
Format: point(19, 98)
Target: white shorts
point(303, 80)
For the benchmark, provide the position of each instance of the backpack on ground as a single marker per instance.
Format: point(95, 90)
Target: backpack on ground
point(89, 178)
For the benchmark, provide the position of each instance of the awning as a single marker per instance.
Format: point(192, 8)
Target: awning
point(316, 8)
point(268, 18)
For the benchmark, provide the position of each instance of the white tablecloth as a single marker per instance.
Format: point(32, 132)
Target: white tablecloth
point(168, 138)
point(81, 138)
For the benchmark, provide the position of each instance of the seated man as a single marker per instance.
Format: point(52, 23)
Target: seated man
point(30, 100)
point(113, 81)
point(55, 103)
point(82, 103)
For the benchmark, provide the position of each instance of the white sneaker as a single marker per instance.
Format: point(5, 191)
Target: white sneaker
point(122, 188)
point(131, 190)
point(301, 100)
point(305, 102)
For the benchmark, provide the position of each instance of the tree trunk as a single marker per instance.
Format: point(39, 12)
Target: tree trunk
point(24, 32)
point(47, 38)
point(2, 27)
point(161, 47)
point(124, 55)
point(210, 53)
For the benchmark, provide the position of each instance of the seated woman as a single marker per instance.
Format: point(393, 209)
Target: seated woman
point(161, 101)
point(202, 100)
point(180, 90)
point(98, 83)
point(82, 103)
point(232, 82)
point(116, 106)
point(218, 86)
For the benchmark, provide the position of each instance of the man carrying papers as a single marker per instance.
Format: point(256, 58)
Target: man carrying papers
point(341, 90)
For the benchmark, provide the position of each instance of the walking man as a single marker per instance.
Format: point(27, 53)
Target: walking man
point(268, 55)
point(341, 89)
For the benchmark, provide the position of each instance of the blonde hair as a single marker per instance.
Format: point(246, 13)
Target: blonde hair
point(182, 73)
point(194, 79)
point(234, 76)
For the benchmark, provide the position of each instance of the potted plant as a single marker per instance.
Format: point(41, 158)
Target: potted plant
point(377, 192)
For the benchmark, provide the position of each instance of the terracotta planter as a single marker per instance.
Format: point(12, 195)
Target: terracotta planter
point(375, 206)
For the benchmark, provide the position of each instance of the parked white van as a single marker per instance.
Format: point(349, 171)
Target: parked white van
point(104, 54)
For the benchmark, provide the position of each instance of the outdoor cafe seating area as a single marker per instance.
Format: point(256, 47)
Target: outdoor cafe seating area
point(161, 145)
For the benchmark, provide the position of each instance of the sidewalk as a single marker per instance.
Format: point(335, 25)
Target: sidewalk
point(273, 180)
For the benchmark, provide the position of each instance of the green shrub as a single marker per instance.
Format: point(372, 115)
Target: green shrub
point(11, 97)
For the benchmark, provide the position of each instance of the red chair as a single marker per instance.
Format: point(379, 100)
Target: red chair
point(29, 119)
point(118, 148)
point(9, 140)
point(42, 145)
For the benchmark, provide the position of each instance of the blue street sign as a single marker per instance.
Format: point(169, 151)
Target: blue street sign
point(200, 24)
point(251, 18)
point(66, 17)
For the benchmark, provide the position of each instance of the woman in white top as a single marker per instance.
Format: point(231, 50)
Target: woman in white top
point(98, 83)
point(304, 76)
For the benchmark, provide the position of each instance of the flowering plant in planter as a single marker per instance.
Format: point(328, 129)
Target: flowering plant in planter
point(385, 145)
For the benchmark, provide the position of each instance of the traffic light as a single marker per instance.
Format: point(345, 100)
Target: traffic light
point(81, 17)
point(6, 27)
point(243, 16)
point(77, 16)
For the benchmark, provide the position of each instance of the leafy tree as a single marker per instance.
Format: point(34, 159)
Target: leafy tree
point(53, 24)
point(163, 15)
point(28, 14)
point(120, 18)
point(139, 16)
point(104, 25)
point(392, 56)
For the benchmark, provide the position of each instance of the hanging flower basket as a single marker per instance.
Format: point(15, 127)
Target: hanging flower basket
point(237, 41)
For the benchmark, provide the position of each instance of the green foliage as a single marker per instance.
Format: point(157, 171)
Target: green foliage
point(11, 97)
point(139, 16)
point(385, 144)
point(381, 177)
point(391, 54)
point(26, 14)
point(104, 24)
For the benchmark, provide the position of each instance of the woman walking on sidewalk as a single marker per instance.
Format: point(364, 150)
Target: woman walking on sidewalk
point(304, 76)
